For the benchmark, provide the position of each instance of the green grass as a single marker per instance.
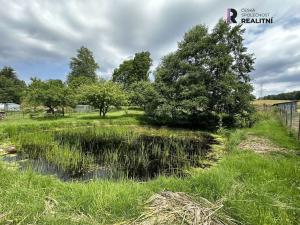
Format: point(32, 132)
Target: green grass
point(271, 127)
point(129, 117)
point(257, 189)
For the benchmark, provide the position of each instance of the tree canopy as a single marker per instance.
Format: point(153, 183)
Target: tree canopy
point(207, 75)
point(103, 95)
point(51, 94)
point(11, 88)
point(133, 70)
point(76, 82)
point(83, 65)
point(141, 93)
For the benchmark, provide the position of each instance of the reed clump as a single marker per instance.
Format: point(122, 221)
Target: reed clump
point(139, 155)
point(66, 158)
point(120, 152)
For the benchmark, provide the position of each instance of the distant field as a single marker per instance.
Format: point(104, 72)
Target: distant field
point(268, 102)
point(260, 103)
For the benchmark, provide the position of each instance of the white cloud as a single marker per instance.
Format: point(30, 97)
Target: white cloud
point(277, 52)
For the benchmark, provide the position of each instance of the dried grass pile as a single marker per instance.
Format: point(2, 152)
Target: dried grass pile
point(178, 208)
point(259, 145)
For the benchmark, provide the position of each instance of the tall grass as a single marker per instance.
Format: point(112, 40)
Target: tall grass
point(120, 152)
point(65, 158)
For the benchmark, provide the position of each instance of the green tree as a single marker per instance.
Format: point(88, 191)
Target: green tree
point(11, 88)
point(83, 64)
point(124, 74)
point(133, 70)
point(77, 82)
point(141, 64)
point(53, 94)
point(207, 76)
point(141, 93)
point(103, 95)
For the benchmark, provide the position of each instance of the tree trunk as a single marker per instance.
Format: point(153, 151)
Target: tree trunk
point(105, 109)
point(51, 110)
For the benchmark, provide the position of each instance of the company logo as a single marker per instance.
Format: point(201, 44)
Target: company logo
point(247, 15)
point(231, 14)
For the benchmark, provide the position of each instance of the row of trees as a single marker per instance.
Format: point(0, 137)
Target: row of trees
point(205, 79)
point(294, 95)
point(82, 86)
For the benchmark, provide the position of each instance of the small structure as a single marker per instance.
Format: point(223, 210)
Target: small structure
point(83, 108)
point(10, 107)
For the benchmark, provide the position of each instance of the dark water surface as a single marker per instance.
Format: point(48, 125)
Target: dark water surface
point(142, 158)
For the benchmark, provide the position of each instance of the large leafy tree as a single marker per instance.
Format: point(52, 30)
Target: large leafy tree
point(141, 93)
point(11, 88)
point(83, 65)
point(141, 65)
point(103, 96)
point(52, 94)
point(207, 75)
point(124, 74)
point(133, 70)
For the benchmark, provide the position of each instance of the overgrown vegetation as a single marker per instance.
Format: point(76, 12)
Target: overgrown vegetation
point(139, 153)
point(140, 156)
point(256, 189)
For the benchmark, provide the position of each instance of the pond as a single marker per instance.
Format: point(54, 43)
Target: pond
point(88, 154)
point(44, 167)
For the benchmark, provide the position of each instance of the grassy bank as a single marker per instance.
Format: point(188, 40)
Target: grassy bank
point(256, 189)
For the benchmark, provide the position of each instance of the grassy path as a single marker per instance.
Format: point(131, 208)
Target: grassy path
point(257, 189)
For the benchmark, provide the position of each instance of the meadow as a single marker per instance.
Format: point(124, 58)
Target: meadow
point(261, 102)
point(254, 188)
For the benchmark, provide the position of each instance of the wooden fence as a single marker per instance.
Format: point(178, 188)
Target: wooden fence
point(290, 116)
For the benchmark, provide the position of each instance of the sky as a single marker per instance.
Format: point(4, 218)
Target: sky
point(38, 38)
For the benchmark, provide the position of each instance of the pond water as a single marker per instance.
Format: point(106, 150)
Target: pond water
point(142, 157)
point(44, 167)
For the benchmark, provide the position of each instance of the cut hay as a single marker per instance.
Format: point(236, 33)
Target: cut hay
point(259, 145)
point(178, 208)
